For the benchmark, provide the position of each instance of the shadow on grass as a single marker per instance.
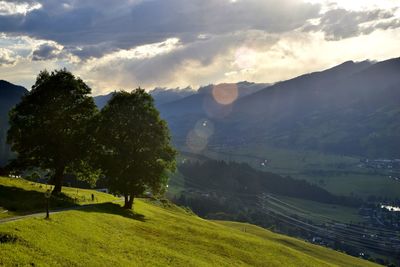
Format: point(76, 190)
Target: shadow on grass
point(22, 201)
point(115, 209)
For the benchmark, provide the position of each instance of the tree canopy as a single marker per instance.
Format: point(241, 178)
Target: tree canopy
point(49, 127)
point(135, 148)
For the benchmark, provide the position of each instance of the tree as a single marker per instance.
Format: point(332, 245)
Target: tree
point(49, 127)
point(136, 153)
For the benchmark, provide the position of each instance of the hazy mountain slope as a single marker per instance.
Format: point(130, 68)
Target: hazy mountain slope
point(163, 95)
point(347, 112)
point(101, 100)
point(183, 114)
point(349, 109)
point(299, 92)
point(10, 95)
point(203, 99)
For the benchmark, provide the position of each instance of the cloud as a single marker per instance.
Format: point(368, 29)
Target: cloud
point(93, 28)
point(382, 25)
point(7, 57)
point(17, 7)
point(47, 51)
point(177, 64)
point(340, 23)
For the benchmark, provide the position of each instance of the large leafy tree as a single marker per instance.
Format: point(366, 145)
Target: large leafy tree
point(49, 127)
point(136, 153)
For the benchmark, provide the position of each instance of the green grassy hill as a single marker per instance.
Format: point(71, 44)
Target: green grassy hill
point(18, 197)
point(156, 234)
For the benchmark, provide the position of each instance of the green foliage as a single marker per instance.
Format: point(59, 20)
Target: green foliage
point(135, 149)
point(48, 128)
point(85, 171)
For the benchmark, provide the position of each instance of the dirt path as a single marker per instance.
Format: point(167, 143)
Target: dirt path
point(43, 214)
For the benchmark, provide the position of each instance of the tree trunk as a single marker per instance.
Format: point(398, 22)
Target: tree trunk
point(126, 201)
point(57, 180)
point(129, 203)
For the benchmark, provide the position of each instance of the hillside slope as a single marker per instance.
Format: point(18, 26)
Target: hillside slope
point(19, 197)
point(154, 236)
point(350, 109)
point(10, 95)
point(355, 113)
point(157, 234)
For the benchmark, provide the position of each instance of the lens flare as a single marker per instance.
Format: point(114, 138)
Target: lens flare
point(197, 138)
point(196, 143)
point(204, 128)
point(225, 94)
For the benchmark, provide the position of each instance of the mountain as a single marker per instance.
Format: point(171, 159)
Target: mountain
point(183, 114)
point(102, 100)
point(10, 95)
point(201, 101)
point(350, 109)
point(172, 96)
point(161, 96)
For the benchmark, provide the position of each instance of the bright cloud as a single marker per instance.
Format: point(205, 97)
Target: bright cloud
point(15, 8)
point(359, 5)
point(7, 57)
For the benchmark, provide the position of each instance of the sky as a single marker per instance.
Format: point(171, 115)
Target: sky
point(125, 44)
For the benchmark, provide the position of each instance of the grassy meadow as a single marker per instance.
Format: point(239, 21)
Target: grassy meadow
point(157, 233)
point(18, 197)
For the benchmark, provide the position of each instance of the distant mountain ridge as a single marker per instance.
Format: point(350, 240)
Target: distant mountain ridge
point(350, 109)
point(165, 96)
point(353, 111)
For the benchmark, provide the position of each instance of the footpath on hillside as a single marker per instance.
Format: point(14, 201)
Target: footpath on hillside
point(43, 213)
